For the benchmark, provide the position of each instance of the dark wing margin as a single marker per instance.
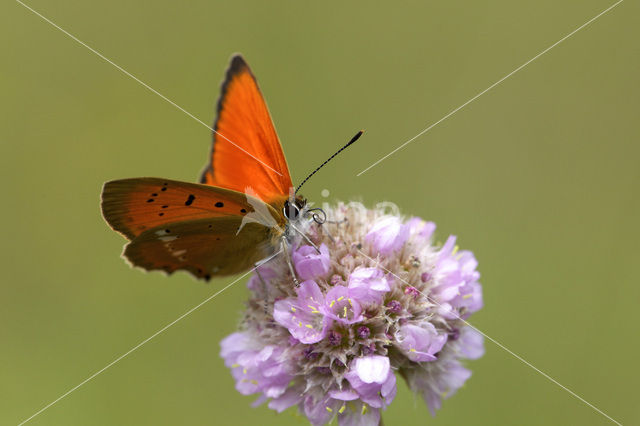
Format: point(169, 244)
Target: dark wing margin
point(237, 65)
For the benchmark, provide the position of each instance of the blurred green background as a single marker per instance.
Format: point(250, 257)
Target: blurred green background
point(539, 177)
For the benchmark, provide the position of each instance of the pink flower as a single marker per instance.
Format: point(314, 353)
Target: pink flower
point(420, 228)
point(372, 380)
point(440, 385)
point(341, 305)
point(420, 342)
point(457, 290)
point(256, 368)
point(388, 234)
point(309, 263)
point(370, 284)
point(303, 316)
point(471, 343)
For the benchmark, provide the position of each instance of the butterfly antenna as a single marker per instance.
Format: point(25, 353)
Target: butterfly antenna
point(353, 139)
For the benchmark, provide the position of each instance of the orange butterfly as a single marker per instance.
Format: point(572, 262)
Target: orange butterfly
point(241, 212)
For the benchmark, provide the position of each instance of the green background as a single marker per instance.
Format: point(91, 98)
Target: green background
point(539, 177)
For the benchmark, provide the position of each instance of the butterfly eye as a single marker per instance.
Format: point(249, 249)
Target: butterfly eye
point(291, 211)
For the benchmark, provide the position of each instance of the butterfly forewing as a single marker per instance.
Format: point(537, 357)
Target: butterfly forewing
point(131, 206)
point(245, 145)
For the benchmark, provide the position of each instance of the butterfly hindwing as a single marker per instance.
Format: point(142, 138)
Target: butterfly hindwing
point(204, 247)
point(245, 144)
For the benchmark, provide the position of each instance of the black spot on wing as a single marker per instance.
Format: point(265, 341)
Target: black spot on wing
point(190, 200)
point(219, 204)
point(243, 210)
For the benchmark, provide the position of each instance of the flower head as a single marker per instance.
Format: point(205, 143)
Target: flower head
point(377, 298)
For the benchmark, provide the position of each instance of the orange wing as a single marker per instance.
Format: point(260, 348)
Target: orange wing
point(132, 206)
point(246, 150)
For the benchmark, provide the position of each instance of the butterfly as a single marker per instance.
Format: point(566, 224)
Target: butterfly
point(241, 212)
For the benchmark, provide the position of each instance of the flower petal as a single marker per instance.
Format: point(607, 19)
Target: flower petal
point(309, 263)
point(471, 343)
point(359, 414)
point(368, 285)
point(373, 368)
point(341, 306)
point(388, 234)
point(420, 342)
point(303, 316)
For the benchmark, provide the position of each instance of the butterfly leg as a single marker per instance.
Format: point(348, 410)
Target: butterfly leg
point(264, 283)
point(302, 234)
point(256, 268)
point(287, 257)
point(264, 288)
point(258, 264)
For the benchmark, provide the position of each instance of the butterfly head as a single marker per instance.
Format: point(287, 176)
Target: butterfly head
point(293, 207)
